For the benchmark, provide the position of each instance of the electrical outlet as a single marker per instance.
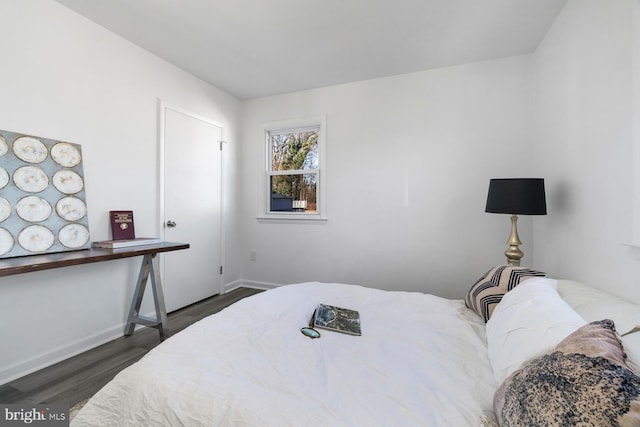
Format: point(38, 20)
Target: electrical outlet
point(253, 255)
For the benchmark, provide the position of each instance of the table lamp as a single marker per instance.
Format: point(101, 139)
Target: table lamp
point(516, 196)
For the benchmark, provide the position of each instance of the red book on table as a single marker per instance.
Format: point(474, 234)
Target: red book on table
point(122, 225)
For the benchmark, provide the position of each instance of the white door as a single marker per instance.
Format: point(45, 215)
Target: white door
point(191, 184)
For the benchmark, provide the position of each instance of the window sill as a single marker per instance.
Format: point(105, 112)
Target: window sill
point(293, 218)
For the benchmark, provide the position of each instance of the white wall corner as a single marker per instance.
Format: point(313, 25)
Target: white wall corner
point(635, 109)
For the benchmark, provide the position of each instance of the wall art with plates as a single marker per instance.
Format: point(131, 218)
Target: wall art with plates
point(42, 196)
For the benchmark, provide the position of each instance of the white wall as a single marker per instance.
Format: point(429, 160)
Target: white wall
point(63, 77)
point(568, 113)
point(409, 160)
point(585, 145)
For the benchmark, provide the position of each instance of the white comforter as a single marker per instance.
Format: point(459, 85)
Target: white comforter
point(421, 361)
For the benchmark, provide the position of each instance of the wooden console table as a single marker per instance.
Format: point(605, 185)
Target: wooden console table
point(27, 264)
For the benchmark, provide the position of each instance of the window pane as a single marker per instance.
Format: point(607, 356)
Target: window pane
point(295, 150)
point(293, 193)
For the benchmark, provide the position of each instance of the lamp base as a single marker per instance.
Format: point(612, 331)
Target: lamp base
point(514, 254)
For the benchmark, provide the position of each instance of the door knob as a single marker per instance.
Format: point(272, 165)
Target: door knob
point(171, 224)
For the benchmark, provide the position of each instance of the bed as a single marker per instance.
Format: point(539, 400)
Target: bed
point(421, 360)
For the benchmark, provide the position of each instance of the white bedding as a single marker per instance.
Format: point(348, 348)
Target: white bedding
point(421, 361)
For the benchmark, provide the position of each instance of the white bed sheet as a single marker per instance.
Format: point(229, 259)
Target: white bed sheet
point(421, 361)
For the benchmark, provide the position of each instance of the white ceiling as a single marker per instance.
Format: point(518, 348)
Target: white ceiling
point(255, 48)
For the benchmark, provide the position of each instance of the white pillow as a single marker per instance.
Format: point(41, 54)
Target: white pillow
point(530, 320)
point(631, 345)
point(595, 304)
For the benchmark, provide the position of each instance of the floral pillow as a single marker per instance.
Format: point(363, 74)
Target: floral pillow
point(585, 380)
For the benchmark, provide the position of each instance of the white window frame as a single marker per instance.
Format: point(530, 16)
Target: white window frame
point(264, 210)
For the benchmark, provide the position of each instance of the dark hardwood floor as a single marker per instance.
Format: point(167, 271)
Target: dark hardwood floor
point(78, 378)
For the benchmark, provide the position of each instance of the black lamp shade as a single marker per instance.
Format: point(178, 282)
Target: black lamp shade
point(517, 196)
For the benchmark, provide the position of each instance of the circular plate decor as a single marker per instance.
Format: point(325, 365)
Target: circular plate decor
point(4, 147)
point(30, 149)
point(73, 236)
point(66, 155)
point(4, 177)
point(36, 238)
point(33, 209)
point(71, 208)
point(31, 179)
point(6, 241)
point(68, 181)
point(5, 209)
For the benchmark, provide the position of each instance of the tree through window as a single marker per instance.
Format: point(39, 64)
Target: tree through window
point(293, 170)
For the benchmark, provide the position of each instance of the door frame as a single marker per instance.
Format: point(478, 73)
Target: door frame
point(163, 106)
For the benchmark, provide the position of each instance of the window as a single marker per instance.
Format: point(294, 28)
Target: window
point(293, 179)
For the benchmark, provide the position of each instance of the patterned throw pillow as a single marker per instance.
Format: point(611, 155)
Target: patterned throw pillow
point(487, 292)
point(585, 380)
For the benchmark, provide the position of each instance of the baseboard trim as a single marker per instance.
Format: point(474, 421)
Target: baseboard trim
point(249, 284)
point(63, 352)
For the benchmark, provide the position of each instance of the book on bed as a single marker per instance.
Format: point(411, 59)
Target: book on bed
point(337, 319)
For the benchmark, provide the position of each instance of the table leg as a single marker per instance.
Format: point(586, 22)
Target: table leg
point(147, 270)
point(158, 301)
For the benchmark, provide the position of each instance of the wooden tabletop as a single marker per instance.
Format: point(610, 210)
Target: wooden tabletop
point(26, 264)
